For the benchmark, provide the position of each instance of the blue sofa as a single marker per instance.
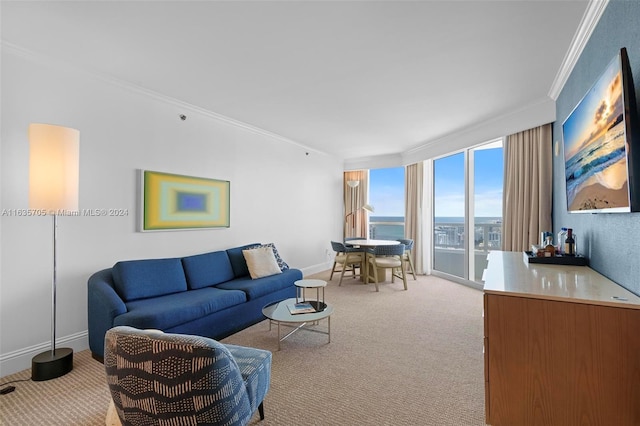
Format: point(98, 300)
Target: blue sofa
point(210, 295)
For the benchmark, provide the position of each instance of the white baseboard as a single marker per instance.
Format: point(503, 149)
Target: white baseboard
point(19, 360)
point(314, 269)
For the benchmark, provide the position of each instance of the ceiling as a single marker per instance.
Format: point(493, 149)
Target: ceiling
point(345, 78)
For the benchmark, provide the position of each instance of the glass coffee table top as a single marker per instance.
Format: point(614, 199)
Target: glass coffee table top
point(279, 314)
point(278, 311)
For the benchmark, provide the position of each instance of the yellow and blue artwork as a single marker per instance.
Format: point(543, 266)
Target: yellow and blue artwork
point(182, 202)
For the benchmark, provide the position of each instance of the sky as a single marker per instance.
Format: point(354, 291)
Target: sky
point(489, 171)
point(386, 190)
point(449, 184)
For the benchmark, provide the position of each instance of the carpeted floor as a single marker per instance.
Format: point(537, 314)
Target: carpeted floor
point(396, 358)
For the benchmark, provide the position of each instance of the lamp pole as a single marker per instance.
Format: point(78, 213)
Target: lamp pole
point(54, 281)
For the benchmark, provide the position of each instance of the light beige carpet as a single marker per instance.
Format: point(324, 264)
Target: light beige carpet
point(396, 358)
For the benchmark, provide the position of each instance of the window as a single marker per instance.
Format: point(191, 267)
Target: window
point(386, 195)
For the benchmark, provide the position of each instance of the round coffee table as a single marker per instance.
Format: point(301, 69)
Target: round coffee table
point(278, 312)
point(303, 285)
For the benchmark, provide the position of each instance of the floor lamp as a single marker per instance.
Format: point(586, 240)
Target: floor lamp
point(53, 188)
point(353, 184)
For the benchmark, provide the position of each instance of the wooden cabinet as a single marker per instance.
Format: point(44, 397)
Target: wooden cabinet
point(562, 346)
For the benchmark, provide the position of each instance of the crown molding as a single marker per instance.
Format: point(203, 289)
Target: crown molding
point(534, 114)
point(45, 60)
point(590, 19)
point(537, 113)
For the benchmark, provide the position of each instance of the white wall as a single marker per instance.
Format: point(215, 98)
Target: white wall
point(278, 194)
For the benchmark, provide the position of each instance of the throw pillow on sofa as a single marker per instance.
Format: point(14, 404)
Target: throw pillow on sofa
point(281, 263)
point(261, 262)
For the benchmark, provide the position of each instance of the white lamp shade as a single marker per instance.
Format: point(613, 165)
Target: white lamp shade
point(353, 183)
point(54, 158)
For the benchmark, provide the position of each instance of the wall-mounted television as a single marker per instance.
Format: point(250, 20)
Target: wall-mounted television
point(601, 146)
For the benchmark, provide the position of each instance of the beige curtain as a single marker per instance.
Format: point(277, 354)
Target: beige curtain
point(413, 198)
point(527, 196)
point(356, 219)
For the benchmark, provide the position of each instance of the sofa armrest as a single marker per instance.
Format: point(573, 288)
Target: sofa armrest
point(103, 305)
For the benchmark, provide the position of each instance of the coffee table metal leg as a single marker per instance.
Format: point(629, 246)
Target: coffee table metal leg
point(296, 328)
point(290, 333)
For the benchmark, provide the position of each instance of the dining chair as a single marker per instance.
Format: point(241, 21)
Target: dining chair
point(408, 255)
point(349, 259)
point(387, 257)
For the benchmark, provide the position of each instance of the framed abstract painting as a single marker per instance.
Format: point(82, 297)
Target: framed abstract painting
point(171, 202)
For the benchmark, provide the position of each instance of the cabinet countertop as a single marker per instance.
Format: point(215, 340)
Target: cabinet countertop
point(508, 273)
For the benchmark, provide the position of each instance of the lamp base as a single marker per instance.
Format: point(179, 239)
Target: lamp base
point(49, 365)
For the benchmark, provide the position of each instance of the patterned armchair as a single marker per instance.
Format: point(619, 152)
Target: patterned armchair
point(158, 378)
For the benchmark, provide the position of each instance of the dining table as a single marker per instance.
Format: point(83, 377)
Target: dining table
point(369, 243)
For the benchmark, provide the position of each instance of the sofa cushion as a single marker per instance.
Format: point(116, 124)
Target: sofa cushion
point(261, 262)
point(139, 279)
point(205, 270)
point(262, 286)
point(169, 311)
point(238, 264)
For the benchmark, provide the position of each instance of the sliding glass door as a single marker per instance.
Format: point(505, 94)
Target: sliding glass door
point(449, 206)
point(486, 208)
point(467, 210)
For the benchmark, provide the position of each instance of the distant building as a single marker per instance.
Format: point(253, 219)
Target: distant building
point(487, 235)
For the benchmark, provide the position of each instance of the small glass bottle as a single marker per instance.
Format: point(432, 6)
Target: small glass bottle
point(549, 248)
point(569, 244)
point(562, 236)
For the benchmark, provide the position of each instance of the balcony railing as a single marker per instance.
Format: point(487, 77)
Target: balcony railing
point(386, 230)
point(487, 236)
point(449, 243)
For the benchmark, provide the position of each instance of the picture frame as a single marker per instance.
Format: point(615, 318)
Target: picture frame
point(601, 141)
point(179, 202)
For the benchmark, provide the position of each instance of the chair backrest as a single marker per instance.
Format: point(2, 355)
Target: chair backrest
point(408, 244)
point(162, 378)
point(389, 250)
point(351, 249)
point(338, 247)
